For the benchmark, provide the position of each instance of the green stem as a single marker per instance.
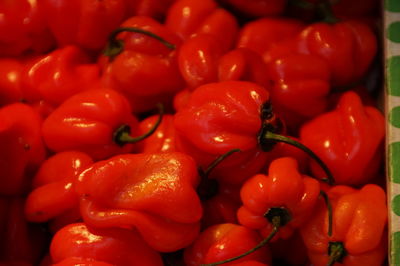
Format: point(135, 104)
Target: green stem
point(330, 212)
point(276, 224)
point(280, 138)
point(115, 46)
point(336, 252)
point(325, 9)
point(122, 134)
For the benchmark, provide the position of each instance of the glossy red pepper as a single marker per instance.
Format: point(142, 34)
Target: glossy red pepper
point(359, 234)
point(279, 203)
point(73, 261)
point(23, 29)
point(115, 246)
point(189, 18)
point(10, 80)
point(22, 147)
point(224, 241)
point(152, 193)
point(59, 75)
point(86, 23)
point(257, 8)
point(53, 193)
point(143, 68)
point(92, 122)
point(348, 139)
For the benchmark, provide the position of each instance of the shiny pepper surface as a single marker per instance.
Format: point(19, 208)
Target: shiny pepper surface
point(224, 241)
point(59, 75)
point(88, 121)
point(10, 80)
point(152, 193)
point(359, 222)
point(22, 147)
point(283, 189)
point(190, 18)
point(220, 117)
point(85, 23)
point(145, 70)
point(53, 191)
point(116, 246)
point(348, 139)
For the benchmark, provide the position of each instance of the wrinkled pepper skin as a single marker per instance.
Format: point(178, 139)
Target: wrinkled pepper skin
point(225, 241)
point(87, 121)
point(145, 71)
point(220, 117)
point(189, 18)
point(10, 80)
point(152, 193)
point(284, 187)
point(348, 139)
point(22, 147)
point(257, 8)
point(23, 29)
point(59, 75)
point(359, 222)
point(85, 23)
point(53, 191)
point(348, 47)
point(115, 246)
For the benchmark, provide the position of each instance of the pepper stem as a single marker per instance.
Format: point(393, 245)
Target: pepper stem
point(336, 253)
point(325, 10)
point(114, 46)
point(122, 134)
point(276, 222)
point(330, 212)
point(217, 161)
point(280, 138)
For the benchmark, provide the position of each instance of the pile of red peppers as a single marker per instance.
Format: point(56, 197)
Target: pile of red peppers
point(188, 132)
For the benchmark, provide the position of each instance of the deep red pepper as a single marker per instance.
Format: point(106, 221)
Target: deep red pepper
point(224, 241)
point(359, 235)
point(152, 8)
point(10, 80)
point(86, 23)
point(188, 18)
point(116, 246)
point(23, 29)
point(143, 68)
point(257, 8)
point(53, 195)
point(22, 147)
point(92, 122)
point(152, 193)
point(59, 75)
point(348, 139)
point(73, 261)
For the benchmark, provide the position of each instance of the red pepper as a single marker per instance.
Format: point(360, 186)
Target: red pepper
point(86, 24)
point(141, 67)
point(94, 121)
point(59, 75)
point(279, 203)
point(152, 8)
point(23, 28)
point(348, 47)
point(153, 193)
point(257, 8)
point(53, 193)
point(224, 241)
point(115, 246)
point(359, 222)
point(81, 262)
point(10, 80)
point(22, 147)
point(348, 139)
point(189, 18)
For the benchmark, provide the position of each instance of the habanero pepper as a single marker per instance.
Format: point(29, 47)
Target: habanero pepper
point(359, 234)
point(116, 246)
point(85, 23)
point(22, 147)
point(96, 121)
point(23, 29)
point(73, 261)
point(188, 18)
point(156, 9)
point(348, 139)
point(58, 75)
point(154, 194)
point(53, 191)
point(141, 63)
point(10, 80)
point(224, 241)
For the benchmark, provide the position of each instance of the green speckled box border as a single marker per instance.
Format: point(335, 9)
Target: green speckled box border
point(392, 104)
